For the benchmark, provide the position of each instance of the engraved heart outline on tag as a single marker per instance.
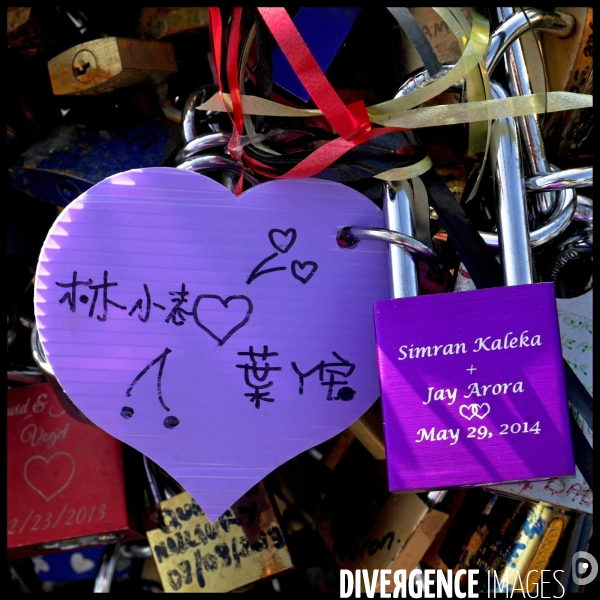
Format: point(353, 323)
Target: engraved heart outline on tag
point(474, 408)
point(47, 461)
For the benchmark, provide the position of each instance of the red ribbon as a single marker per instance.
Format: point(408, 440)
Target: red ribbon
point(237, 119)
point(232, 70)
point(350, 121)
point(327, 154)
point(216, 40)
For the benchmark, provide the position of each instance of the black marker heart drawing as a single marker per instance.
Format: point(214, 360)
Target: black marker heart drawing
point(280, 233)
point(300, 266)
point(214, 322)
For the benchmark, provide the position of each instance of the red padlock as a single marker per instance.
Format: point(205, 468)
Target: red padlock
point(66, 485)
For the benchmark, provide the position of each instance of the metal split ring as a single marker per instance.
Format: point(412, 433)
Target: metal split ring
point(348, 237)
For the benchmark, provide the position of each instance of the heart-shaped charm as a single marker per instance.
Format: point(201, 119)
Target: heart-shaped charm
point(172, 323)
point(81, 564)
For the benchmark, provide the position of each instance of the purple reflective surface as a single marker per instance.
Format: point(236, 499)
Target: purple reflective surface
point(436, 405)
point(162, 228)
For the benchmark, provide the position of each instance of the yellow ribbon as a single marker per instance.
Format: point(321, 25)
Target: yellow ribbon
point(400, 112)
point(402, 173)
point(429, 116)
point(477, 81)
point(474, 52)
point(478, 88)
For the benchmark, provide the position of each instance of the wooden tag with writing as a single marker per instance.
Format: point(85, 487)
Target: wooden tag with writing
point(194, 555)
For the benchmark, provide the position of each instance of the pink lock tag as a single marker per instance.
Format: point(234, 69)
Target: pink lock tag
point(473, 388)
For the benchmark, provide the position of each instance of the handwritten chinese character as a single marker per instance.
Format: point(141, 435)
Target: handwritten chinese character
point(105, 301)
point(177, 313)
point(71, 297)
point(344, 393)
point(138, 306)
point(259, 373)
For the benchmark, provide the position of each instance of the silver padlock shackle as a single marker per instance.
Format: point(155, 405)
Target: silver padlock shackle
point(509, 31)
point(213, 162)
point(565, 211)
point(403, 273)
point(563, 203)
point(201, 144)
point(560, 24)
point(108, 566)
point(403, 248)
point(519, 83)
point(189, 114)
point(110, 560)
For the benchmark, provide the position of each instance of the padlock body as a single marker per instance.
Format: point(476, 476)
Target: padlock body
point(66, 485)
point(473, 388)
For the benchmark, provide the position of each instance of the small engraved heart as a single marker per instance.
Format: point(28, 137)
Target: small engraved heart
point(475, 410)
point(298, 267)
point(81, 564)
point(39, 475)
point(280, 233)
point(224, 323)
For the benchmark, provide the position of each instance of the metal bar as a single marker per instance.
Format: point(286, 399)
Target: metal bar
point(513, 230)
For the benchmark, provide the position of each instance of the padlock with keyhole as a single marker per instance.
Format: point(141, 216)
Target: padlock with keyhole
point(84, 66)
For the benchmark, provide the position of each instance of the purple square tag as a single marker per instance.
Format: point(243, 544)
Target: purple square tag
point(473, 390)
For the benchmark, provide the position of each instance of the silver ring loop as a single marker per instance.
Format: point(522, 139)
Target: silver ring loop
point(348, 237)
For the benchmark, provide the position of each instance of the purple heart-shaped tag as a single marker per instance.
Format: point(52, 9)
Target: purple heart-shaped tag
point(173, 325)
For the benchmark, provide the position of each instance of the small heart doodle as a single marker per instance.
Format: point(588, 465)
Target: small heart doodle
point(300, 266)
point(280, 233)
